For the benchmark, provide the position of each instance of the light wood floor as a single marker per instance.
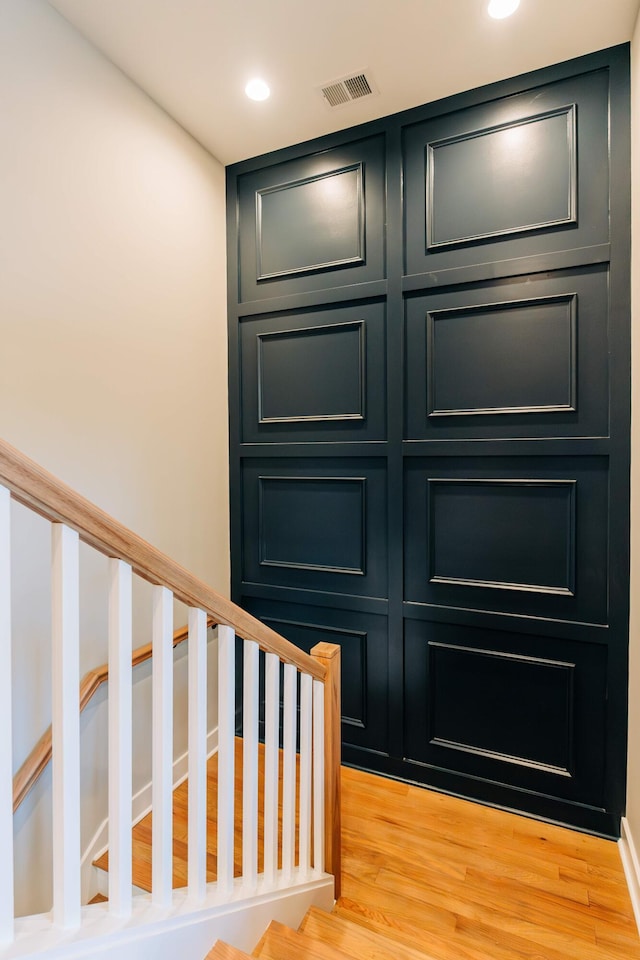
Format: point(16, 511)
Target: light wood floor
point(463, 881)
point(453, 879)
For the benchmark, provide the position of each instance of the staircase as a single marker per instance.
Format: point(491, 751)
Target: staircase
point(275, 847)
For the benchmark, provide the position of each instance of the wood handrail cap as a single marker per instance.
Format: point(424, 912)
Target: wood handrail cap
point(325, 650)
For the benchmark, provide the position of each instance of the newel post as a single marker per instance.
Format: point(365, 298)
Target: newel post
point(328, 654)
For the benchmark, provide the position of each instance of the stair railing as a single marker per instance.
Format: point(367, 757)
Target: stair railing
point(36, 763)
point(310, 819)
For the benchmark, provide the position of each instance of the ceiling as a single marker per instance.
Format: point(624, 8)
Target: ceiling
point(194, 57)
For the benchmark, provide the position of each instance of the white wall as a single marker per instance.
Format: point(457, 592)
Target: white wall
point(113, 359)
point(633, 774)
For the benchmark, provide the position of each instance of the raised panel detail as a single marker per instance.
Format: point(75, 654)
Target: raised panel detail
point(517, 709)
point(517, 357)
point(311, 224)
point(522, 535)
point(313, 523)
point(313, 374)
point(508, 534)
point(502, 180)
point(502, 706)
point(526, 357)
point(525, 175)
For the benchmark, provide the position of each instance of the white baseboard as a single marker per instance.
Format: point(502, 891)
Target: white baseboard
point(631, 864)
point(90, 882)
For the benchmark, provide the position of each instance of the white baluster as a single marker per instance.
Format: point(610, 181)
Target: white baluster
point(120, 738)
point(6, 799)
point(65, 725)
point(226, 754)
point(162, 748)
point(250, 763)
point(271, 764)
point(318, 776)
point(289, 773)
point(306, 709)
point(197, 819)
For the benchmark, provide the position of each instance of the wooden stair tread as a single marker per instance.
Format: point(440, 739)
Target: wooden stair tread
point(356, 940)
point(99, 898)
point(404, 933)
point(141, 840)
point(283, 943)
point(223, 951)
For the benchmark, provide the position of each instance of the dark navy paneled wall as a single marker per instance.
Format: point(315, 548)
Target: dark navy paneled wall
point(429, 410)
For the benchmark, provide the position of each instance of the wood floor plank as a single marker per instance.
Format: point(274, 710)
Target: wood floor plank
point(572, 935)
point(222, 951)
point(483, 887)
point(283, 943)
point(514, 888)
point(489, 938)
point(355, 940)
point(530, 883)
point(443, 946)
point(618, 942)
point(611, 903)
point(457, 854)
point(405, 909)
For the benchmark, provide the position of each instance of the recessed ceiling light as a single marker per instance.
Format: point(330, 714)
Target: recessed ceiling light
point(257, 89)
point(499, 9)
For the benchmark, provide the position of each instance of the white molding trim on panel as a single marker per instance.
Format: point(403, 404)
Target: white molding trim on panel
point(631, 864)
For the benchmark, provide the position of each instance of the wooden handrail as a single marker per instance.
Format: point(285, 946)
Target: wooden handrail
point(36, 763)
point(54, 500)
